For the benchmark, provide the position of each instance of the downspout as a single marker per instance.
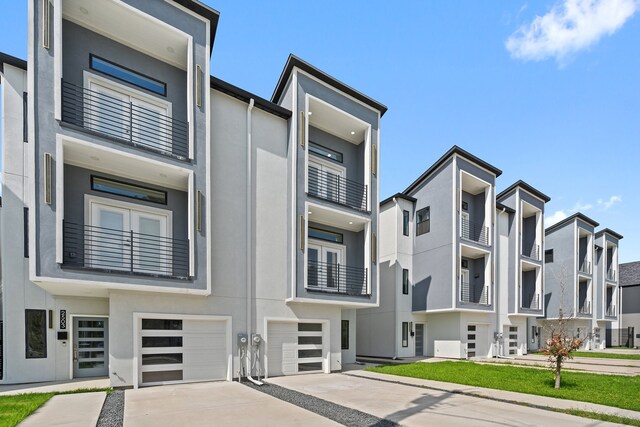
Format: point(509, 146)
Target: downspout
point(497, 284)
point(395, 299)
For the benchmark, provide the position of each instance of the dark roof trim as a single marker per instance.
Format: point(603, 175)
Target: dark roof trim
point(453, 150)
point(294, 61)
point(11, 60)
point(527, 188)
point(611, 232)
point(206, 12)
point(398, 196)
point(505, 208)
point(245, 96)
point(577, 215)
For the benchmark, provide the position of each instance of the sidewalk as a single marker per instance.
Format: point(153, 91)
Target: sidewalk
point(54, 386)
point(68, 410)
point(498, 395)
point(586, 364)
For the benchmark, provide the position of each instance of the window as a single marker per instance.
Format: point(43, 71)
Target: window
point(133, 191)
point(405, 281)
point(324, 152)
point(126, 75)
point(548, 255)
point(162, 324)
point(25, 118)
point(423, 220)
point(345, 335)
point(405, 334)
point(35, 334)
point(329, 236)
point(405, 223)
point(25, 230)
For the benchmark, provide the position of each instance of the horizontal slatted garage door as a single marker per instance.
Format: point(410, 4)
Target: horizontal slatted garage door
point(294, 348)
point(182, 350)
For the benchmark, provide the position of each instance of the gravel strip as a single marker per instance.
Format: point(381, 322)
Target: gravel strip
point(112, 414)
point(338, 413)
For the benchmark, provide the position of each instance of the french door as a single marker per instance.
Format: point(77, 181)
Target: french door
point(324, 263)
point(326, 181)
point(120, 238)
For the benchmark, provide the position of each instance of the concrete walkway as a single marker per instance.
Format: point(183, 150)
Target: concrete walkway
point(69, 410)
point(441, 404)
point(212, 403)
point(54, 386)
point(587, 364)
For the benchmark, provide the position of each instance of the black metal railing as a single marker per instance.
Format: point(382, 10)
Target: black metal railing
point(531, 302)
point(611, 311)
point(119, 251)
point(475, 231)
point(584, 267)
point(611, 275)
point(336, 278)
point(585, 308)
point(531, 250)
point(474, 295)
point(332, 187)
point(124, 121)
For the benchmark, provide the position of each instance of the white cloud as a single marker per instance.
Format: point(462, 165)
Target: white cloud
point(606, 204)
point(555, 217)
point(578, 207)
point(570, 26)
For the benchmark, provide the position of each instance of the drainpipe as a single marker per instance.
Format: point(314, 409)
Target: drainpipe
point(497, 287)
point(395, 303)
point(249, 231)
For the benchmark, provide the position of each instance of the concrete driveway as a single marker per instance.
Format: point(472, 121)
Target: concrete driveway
point(212, 404)
point(415, 406)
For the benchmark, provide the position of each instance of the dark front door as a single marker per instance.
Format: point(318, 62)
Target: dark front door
point(419, 339)
point(90, 347)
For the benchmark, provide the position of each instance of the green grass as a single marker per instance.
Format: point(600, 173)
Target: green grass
point(601, 355)
point(598, 416)
point(15, 408)
point(611, 390)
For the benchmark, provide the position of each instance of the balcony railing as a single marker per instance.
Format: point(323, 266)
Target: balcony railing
point(469, 295)
point(531, 250)
point(531, 302)
point(336, 278)
point(127, 252)
point(334, 188)
point(611, 311)
point(475, 231)
point(585, 308)
point(584, 267)
point(124, 121)
point(611, 275)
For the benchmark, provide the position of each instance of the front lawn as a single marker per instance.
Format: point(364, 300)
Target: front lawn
point(606, 355)
point(14, 409)
point(610, 390)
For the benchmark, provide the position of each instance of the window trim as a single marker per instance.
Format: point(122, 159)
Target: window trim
point(405, 222)
point(405, 334)
point(328, 150)
point(27, 311)
point(341, 242)
point(405, 281)
point(130, 71)
point(117, 181)
point(342, 335)
point(419, 230)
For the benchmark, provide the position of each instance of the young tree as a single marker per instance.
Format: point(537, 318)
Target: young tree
point(559, 345)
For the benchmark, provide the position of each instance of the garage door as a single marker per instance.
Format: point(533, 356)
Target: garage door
point(181, 350)
point(293, 348)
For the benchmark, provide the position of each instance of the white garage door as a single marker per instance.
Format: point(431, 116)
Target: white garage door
point(181, 350)
point(294, 348)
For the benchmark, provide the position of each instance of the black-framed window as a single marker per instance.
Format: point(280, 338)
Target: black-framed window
point(25, 117)
point(405, 334)
point(548, 255)
point(127, 75)
point(329, 236)
point(35, 322)
point(324, 152)
point(344, 335)
point(405, 223)
point(125, 189)
point(25, 232)
point(423, 221)
point(405, 281)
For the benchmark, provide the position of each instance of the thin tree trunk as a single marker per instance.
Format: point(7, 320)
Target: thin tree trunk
point(558, 368)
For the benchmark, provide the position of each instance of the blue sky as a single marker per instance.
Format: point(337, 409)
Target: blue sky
point(547, 91)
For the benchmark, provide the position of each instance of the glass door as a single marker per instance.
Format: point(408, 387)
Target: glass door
point(149, 125)
point(107, 240)
point(90, 347)
point(107, 111)
point(151, 248)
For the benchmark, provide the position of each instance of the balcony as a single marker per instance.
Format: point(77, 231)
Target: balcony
point(611, 275)
point(470, 295)
point(532, 302)
point(336, 278)
point(474, 231)
point(124, 252)
point(531, 250)
point(334, 188)
point(585, 308)
point(124, 122)
point(611, 311)
point(584, 267)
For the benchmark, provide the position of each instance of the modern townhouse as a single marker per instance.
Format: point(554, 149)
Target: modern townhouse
point(581, 279)
point(626, 330)
point(160, 225)
point(460, 273)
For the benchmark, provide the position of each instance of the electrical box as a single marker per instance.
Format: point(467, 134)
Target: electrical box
point(243, 340)
point(256, 339)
